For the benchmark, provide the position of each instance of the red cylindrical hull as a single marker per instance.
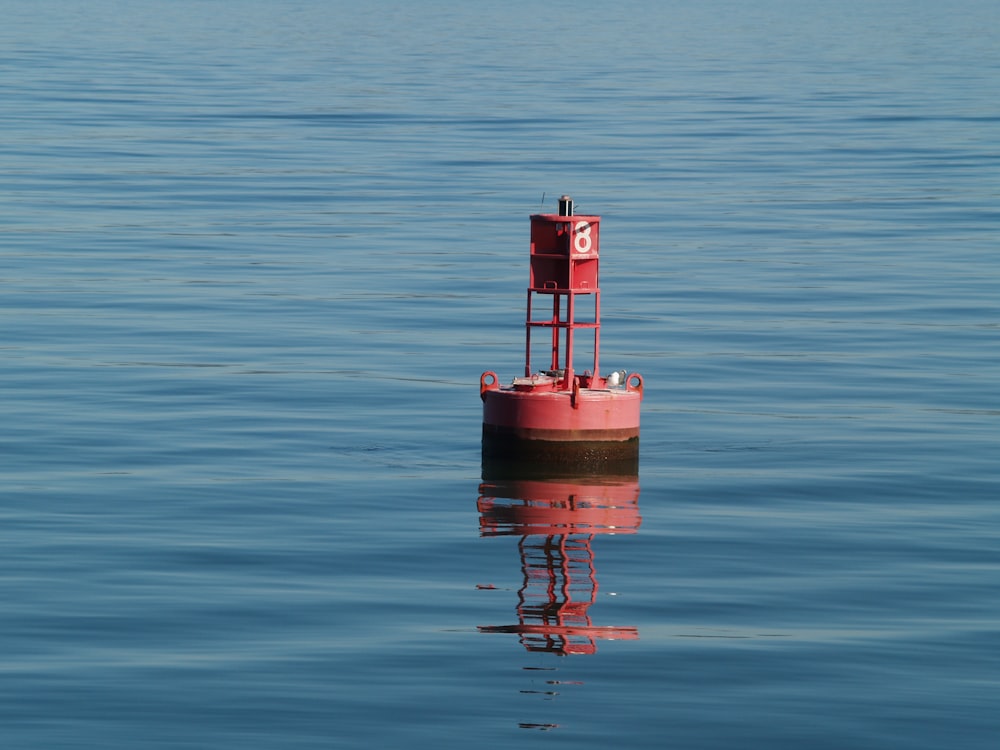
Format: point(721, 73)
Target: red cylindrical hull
point(582, 426)
point(611, 415)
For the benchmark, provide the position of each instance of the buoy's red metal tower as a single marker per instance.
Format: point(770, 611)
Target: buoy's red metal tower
point(556, 414)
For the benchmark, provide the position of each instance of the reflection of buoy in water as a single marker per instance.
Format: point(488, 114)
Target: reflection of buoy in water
point(584, 505)
point(556, 414)
point(557, 519)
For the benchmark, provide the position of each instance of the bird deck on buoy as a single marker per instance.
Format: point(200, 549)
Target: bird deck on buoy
point(556, 414)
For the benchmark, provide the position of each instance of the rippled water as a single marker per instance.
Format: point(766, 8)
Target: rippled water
point(254, 257)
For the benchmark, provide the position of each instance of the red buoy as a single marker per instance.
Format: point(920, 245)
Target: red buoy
point(556, 413)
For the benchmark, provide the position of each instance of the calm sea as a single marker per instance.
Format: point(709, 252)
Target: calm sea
point(255, 255)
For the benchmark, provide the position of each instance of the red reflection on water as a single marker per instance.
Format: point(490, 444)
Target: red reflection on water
point(557, 521)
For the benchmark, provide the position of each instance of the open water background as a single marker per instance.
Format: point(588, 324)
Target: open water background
point(254, 256)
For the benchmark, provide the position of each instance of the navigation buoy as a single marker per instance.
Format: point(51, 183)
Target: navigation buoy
point(555, 414)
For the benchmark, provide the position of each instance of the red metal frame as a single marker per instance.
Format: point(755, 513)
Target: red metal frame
point(565, 257)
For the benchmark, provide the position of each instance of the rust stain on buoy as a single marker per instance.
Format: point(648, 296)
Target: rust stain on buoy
point(556, 414)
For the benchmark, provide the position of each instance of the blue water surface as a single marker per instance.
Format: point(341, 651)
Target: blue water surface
point(255, 255)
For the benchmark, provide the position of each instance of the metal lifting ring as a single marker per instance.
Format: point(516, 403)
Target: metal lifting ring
point(492, 385)
point(637, 386)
